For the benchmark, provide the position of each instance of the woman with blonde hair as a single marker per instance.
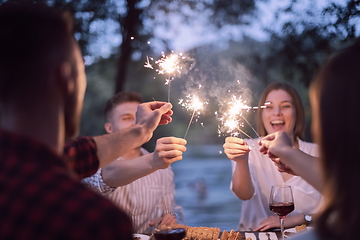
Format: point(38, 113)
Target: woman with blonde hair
point(335, 89)
point(254, 174)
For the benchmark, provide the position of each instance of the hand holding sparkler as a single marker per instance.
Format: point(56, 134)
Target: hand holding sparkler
point(236, 149)
point(151, 114)
point(167, 151)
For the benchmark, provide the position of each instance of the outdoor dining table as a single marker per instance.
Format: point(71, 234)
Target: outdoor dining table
point(275, 235)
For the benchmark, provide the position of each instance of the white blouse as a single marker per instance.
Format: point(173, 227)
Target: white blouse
point(264, 174)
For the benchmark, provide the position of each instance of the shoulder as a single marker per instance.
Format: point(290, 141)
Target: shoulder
point(72, 204)
point(304, 143)
point(309, 147)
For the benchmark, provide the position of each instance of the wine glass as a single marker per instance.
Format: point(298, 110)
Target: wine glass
point(281, 202)
point(169, 232)
point(179, 214)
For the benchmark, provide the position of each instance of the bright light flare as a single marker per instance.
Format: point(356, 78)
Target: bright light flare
point(169, 64)
point(193, 103)
point(231, 118)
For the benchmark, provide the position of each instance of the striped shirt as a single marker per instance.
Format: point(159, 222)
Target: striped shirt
point(139, 198)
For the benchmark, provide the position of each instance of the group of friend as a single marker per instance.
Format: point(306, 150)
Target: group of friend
point(46, 173)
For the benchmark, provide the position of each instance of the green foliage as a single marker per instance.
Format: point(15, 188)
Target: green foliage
point(100, 88)
point(304, 44)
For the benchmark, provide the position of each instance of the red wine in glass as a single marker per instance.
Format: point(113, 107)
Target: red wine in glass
point(281, 202)
point(170, 234)
point(282, 208)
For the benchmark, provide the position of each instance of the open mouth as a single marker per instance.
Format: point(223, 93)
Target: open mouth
point(277, 123)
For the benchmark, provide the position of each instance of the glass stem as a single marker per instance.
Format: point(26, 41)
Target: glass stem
point(282, 228)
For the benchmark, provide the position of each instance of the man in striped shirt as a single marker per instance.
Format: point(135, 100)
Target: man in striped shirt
point(150, 181)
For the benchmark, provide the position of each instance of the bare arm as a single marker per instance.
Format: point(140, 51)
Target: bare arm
point(280, 150)
point(237, 150)
point(149, 116)
point(122, 172)
point(273, 222)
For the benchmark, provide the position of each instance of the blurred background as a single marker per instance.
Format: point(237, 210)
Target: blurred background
point(234, 47)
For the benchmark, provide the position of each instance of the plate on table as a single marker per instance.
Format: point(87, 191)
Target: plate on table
point(291, 231)
point(261, 235)
point(141, 236)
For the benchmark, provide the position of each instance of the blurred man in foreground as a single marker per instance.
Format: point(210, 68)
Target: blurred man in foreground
point(42, 85)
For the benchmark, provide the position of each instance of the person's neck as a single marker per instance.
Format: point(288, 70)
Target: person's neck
point(44, 125)
point(133, 153)
point(295, 142)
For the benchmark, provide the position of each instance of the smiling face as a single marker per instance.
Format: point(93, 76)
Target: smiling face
point(122, 116)
point(279, 114)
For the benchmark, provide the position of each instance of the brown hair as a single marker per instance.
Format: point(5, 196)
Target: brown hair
point(299, 108)
point(336, 90)
point(34, 38)
point(120, 97)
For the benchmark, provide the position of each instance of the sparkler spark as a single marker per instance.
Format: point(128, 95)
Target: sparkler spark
point(172, 65)
point(147, 63)
point(231, 118)
point(192, 103)
point(169, 64)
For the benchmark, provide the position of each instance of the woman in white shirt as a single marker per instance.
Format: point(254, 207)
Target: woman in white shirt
point(336, 86)
point(254, 174)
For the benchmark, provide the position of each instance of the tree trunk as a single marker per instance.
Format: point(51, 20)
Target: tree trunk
point(129, 26)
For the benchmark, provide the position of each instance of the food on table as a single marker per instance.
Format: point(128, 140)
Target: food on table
point(300, 228)
point(233, 235)
point(204, 233)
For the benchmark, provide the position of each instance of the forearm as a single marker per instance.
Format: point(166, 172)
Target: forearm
point(304, 165)
point(112, 146)
point(295, 220)
point(241, 181)
point(123, 172)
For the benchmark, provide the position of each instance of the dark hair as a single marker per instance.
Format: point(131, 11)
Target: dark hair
point(121, 97)
point(335, 92)
point(34, 37)
point(299, 108)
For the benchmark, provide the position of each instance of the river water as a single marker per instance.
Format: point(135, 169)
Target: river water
point(202, 181)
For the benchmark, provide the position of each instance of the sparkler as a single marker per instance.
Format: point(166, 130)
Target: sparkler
point(193, 103)
point(171, 65)
point(230, 118)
